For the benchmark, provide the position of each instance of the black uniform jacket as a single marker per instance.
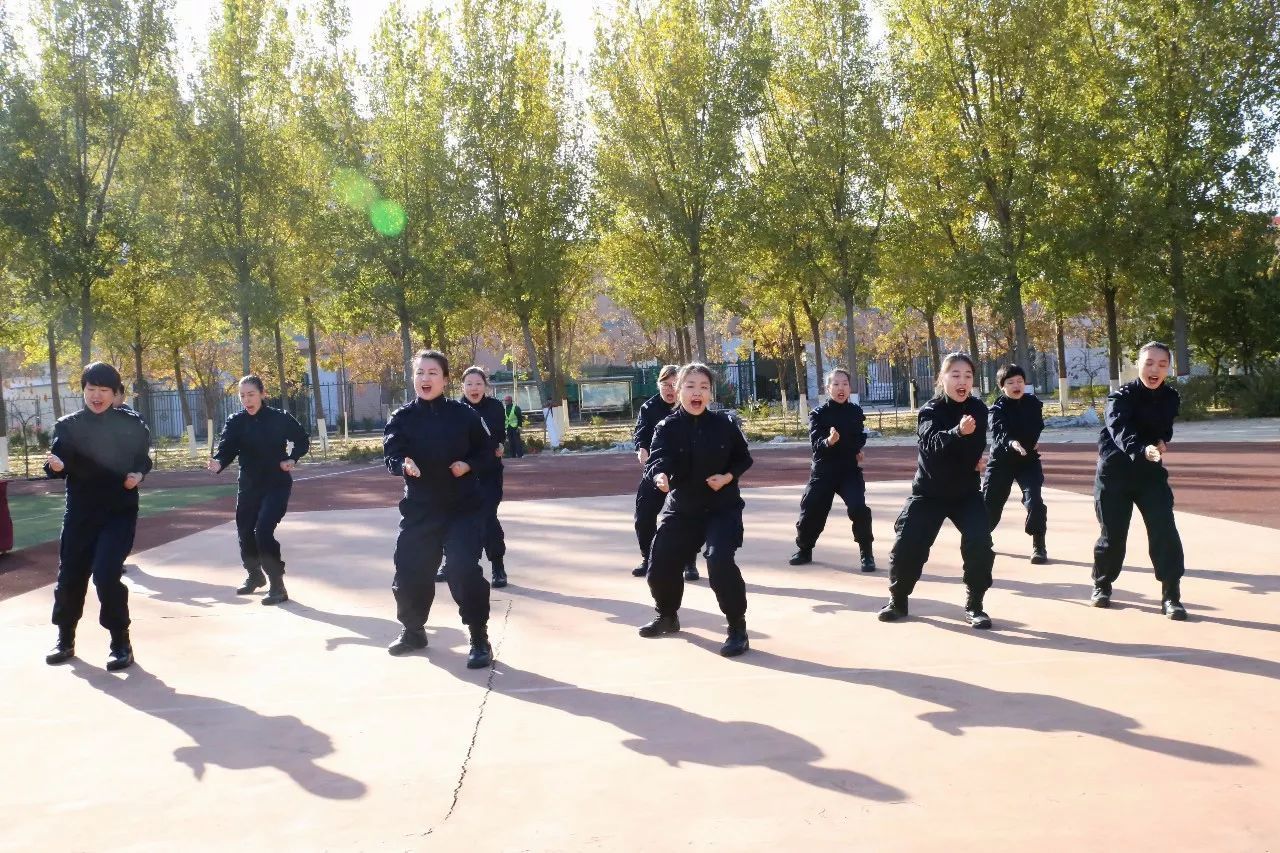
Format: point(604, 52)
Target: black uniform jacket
point(435, 434)
point(98, 452)
point(1134, 418)
point(849, 421)
point(494, 415)
point(1020, 420)
point(690, 449)
point(946, 465)
point(651, 414)
point(261, 441)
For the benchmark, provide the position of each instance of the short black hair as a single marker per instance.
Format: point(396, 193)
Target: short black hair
point(437, 356)
point(1009, 371)
point(103, 375)
point(477, 370)
point(255, 380)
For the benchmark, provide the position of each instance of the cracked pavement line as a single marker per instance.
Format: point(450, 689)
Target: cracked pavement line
point(475, 732)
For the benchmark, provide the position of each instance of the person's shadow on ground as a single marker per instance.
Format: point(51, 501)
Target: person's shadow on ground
point(182, 591)
point(678, 736)
point(370, 631)
point(972, 706)
point(228, 735)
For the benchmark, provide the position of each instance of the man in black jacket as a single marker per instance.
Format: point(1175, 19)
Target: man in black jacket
point(837, 435)
point(268, 443)
point(440, 448)
point(1136, 431)
point(1016, 420)
point(648, 499)
point(952, 435)
point(698, 457)
point(103, 454)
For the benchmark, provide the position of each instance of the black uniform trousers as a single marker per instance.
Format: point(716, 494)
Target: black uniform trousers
point(815, 506)
point(94, 544)
point(917, 528)
point(515, 443)
point(428, 534)
point(649, 501)
point(675, 546)
point(495, 540)
point(258, 514)
point(1115, 494)
point(999, 478)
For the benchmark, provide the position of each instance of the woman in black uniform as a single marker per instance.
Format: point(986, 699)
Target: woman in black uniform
point(648, 499)
point(475, 385)
point(952, 432)
point(441, 448)
point(696, 460)
point(268, 443)
point(1017, 419)
point(1137, 427)
point(837, 436)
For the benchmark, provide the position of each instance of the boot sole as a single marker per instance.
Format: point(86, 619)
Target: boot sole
point(498, 584)
point(249, 590)
point(56, 660)
point(1177, 616)
point(1039, 561)
point(401, 650)
point(1102, 603)
point(891, 617)
point(116, 665)
point(733, 653)
point(270, 602)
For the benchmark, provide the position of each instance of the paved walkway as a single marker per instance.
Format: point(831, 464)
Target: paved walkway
point(291, 728)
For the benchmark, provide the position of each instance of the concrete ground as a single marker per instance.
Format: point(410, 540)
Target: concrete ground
point(292, 729)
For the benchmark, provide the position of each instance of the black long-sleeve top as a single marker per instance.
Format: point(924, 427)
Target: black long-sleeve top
point(652, 411)
point(494, 415)
point(261, 441)
point(435, 434)
point(98, 452)
point(1134, 418)
point(1020, 420)
point(849, 421)
point(689, 449)
point(946, 464)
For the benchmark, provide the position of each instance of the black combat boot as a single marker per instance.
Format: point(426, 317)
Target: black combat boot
point(121, 655)
point(801, 557)
point(659, 626)
point(737, 641)
point(1171, 601)
point(893, 611)
point(499, 574)
point(640, 570)
point(276, 593)
point(254, 580)
point(408, 641)
point(1101, 596)
point(868, 559)
point(691, 572)
point(978, 617)
point(481, 654)
point(65, 649)
point(1039, 554)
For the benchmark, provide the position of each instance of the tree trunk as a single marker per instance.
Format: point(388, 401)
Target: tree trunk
point(142, 394)
point(284, 384)
point(1022, 348)
point(406, 340)
point(246, 359)
point(1113, 334)
point(442, 333)
point(686, 346)
point(700, 329)
point(1064, 384)
point(935, 349)
point(183, 403)
point(86, 321)
point(530, 350)
point(802, 377)
point(816, 332)
point(316, 396)
point(1177, 282)
point(55, 387)
point(851, 344)
point(4, 413)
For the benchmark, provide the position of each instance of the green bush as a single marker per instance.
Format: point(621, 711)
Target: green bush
point(1200, 395)
point(362, 453)
point(1258, 395)
point(755, 410)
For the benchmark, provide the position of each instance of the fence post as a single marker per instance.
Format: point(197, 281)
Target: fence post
point(4, 452)
point(324, 436)
point(210, 434)
point(191, 441)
